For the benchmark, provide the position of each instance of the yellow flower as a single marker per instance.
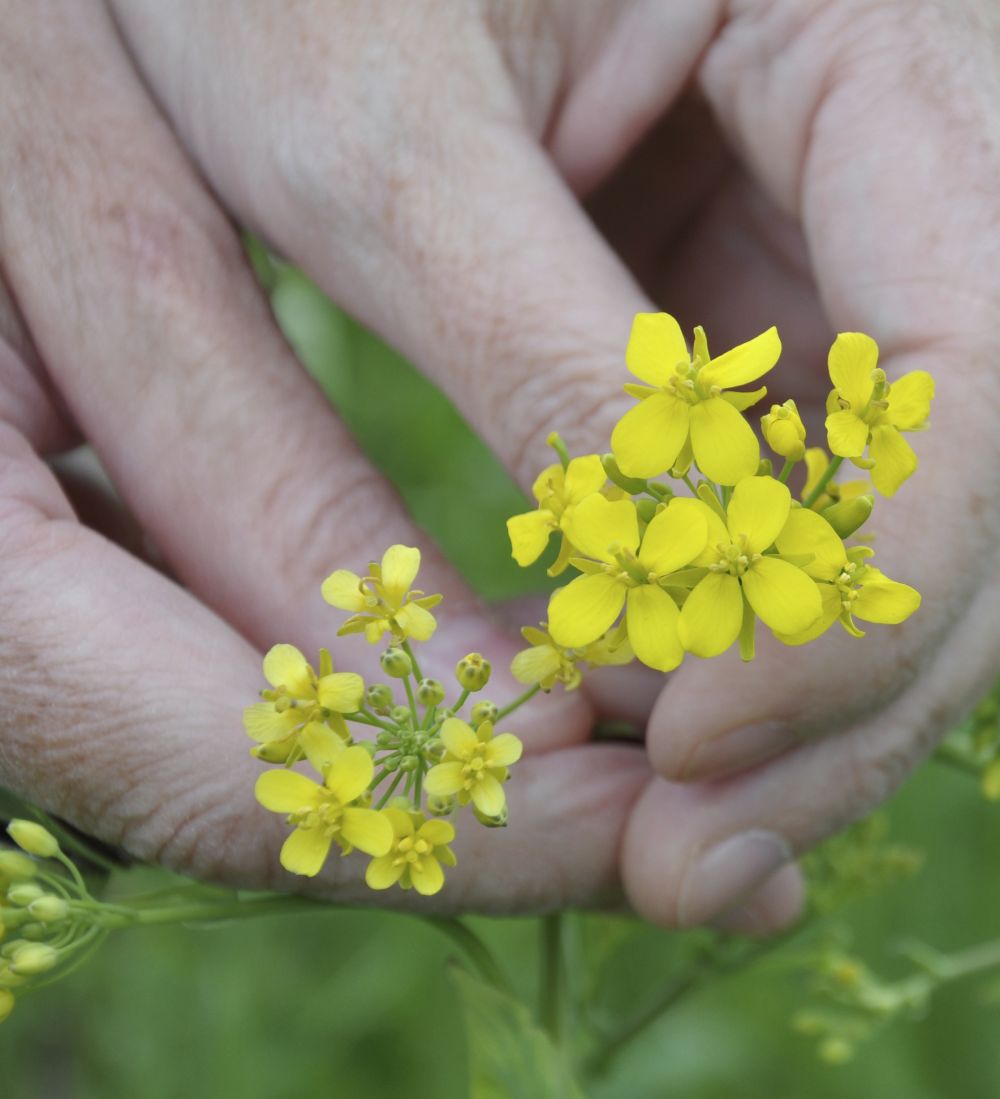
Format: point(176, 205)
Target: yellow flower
point(866, 411)
point(686, 403)
point(817, 463)
point(740, 572)
point(299, 696)
point(419, 851)
point(848, 586)
point(624, 573)
point(474, 765)
point(382, 601)
point(547, 663)
point(332, 813)
point(784, 431)
point(557, 491)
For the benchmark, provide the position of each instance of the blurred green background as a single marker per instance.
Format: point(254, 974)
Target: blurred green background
point(359, 1003)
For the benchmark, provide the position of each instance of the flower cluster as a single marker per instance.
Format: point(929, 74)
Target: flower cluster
point(389, 770)
point(691, 563)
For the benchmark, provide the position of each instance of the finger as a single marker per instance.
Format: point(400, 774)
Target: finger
point(167, 354)
point(719, 841)
point(775, 906)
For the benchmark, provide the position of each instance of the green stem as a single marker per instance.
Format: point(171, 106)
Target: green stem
point(786, 471)
point(820, 486)
point(366, 718)
point(475, 949)
point(384, 799)
point(687, 480)
point(209, 910)
point(413, 660)
point(461, 701)
point(974, 960)
point(412, 700)
point(550, 983)
point(518, 702)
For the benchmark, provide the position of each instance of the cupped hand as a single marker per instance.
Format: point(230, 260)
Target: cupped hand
point(496, 190)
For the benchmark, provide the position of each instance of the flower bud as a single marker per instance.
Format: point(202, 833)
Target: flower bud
point(401, 715)
point(396, 662)
point(22, 895)
point(34, 958)
point(484, 710)
point(846, 516)
point(276, 751)
point(409, 763)
point(380, 698)
point(14, 865)
point(646, 509)
point(632, 485)
point(34, 932)
point(33, 838)
point(499, 821)
point(473, 672)
point(430, 692)
point(441, 805)
point(784, 431)
point(6, 1003)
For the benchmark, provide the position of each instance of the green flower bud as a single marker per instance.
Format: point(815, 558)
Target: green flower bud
point(22, 895)
point(14, 865)
point(646, 509)
point(499, 821)
point(402, 716)
point(835, 1050)
point(484, 710)
point(396, 662)
point(632, 485)
point(368, 745)
point(846, 516)
point(473, 672)
point(34, 932)
point(440, 805)
point(409, 763)
point(34, 958)
point(33, 838)
point(385, 739)
point(6, 1003)
point(380, 698)
point(764, 469)
point(430, 692)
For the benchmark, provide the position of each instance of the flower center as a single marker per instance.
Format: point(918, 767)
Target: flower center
point(327, 816)
point(686, 384)
point(734, 557)
point(846, 586)
point(474, 766)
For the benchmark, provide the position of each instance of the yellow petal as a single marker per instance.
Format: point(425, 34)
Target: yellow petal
point(384, 872)
point(427, 876)
point(458, 737)
point(745, 363)
point(717, 534)
point(585, 609)
point(305, 851)
point(487, 795)
point(367, 830)
point(782, 596)
point(536, 664)
point(437, 832)
point(758, 509)
point(886, 601)
point(415, 621)
point(655, 347)
point(712, 615)
point(852, 359)
point(263, 723)
point(444, 779)
point(674, 537)
point(651, 617)
point(740, 400)
point(808, 532)
point(846, 433)
point(342, 589)
point(321, 745)
point(550, 482)
point(910, 400)
point(285, 666)
point(401, 823)
point(286, 791)
point(830, 599)
point(648, 438)
point(400, 565)
point(529, 535)
point(350, 774)
point(504, 750)
point(724, 444)
point(341, 691)
point(894, 459)
point(597, 524)
point(817, 460)
point(584, 476)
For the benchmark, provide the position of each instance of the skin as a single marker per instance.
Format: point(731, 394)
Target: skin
point(826, 166)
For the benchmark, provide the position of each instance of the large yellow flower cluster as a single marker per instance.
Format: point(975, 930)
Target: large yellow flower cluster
point(661, 573)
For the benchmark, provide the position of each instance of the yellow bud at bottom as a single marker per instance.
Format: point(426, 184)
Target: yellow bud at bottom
point(33, 838)
point(34, 958)
point(14, 865)
point(6, 1003)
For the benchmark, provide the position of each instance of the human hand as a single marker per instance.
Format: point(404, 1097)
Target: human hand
point(411, 162)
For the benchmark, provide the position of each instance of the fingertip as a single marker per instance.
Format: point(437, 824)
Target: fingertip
point(776, 906)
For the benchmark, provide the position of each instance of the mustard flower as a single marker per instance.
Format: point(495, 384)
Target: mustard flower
point(382, 601)
point(557, 491)
point(866, 411)
point(299, 696)
point(474, 765)
point(686, 404)
point(848, 586)
point(740, 572)
point(784, 431)
point(625, 573)
point(417, 856)
point(547, 663)
point(335, 812)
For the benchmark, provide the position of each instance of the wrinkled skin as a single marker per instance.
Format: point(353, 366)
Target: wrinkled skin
point(822, 166)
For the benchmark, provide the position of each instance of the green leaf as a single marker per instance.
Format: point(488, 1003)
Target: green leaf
point(509, 1056)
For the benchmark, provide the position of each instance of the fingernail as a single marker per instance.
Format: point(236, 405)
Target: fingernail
point(738, 749)
point(727, 871)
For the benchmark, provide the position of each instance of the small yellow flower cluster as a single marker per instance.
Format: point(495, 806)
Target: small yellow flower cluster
point(412, 763)
point(47, 920)
point(662, 574)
